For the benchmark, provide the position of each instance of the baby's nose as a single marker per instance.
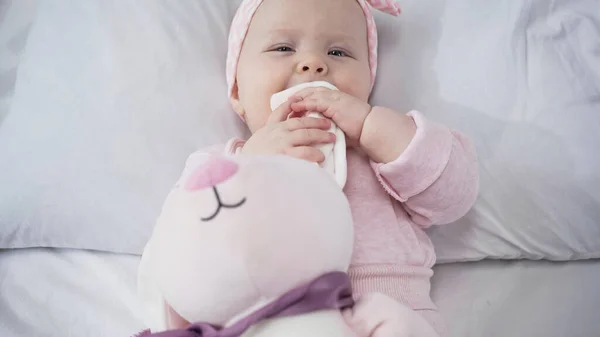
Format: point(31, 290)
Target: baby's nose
point(215, 171)
point(312, 65)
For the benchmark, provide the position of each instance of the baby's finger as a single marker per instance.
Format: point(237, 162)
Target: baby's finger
point(295, 114)
point(311, 104)
point(307, 153)
point(311, 137)
point(281, 113)
point(307, 92)
point(294, 124)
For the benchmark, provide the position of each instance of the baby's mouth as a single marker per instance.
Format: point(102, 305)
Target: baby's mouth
point(222, 205)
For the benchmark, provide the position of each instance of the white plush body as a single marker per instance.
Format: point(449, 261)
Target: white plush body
point(286, 234)
point(236, 233)
point(335, 154)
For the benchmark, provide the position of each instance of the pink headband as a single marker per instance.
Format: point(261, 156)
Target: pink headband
point(243, 17)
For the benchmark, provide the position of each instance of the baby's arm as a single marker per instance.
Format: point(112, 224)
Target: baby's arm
point(429, 168)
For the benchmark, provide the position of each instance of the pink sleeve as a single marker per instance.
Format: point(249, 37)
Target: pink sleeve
point(436, 178)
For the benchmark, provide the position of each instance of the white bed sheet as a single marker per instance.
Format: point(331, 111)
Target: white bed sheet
point(50, 292)
point(520, 298)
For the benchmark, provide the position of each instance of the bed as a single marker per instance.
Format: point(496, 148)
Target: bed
point(523, 263)
point(54, 292)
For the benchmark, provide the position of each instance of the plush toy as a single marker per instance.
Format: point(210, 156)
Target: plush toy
point(259, 247)
point(335, 154)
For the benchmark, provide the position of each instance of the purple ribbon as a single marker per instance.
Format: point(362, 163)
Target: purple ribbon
point(330, 291)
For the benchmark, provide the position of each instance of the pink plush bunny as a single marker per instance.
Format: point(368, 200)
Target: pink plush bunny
point(259, 247)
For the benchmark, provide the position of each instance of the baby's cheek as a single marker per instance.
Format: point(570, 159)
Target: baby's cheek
point(256, 119)
point(357, 81)
point(255, 102)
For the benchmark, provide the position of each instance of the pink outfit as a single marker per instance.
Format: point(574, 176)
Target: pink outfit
point(433, 182)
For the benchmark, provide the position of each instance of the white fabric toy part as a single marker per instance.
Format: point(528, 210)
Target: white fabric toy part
point(335, 154)
point(259, 246)
point(235, 234)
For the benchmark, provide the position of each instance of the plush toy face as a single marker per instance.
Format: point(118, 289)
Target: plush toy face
point(241, 231)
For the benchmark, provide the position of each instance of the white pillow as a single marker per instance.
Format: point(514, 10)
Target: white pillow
point(523, 79)
point(112, 97)
point(15, 19)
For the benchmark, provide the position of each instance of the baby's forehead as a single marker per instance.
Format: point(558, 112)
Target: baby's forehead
point(337, 17)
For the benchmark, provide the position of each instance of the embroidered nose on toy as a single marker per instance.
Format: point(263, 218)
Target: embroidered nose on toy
point(215, 171)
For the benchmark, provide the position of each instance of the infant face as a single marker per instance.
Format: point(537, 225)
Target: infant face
point(296, 41)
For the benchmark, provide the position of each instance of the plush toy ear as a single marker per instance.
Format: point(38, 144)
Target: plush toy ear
point(149, 294)
point(193, 163)
point(212, 172)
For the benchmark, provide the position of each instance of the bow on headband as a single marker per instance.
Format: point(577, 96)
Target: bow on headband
point(386, 6)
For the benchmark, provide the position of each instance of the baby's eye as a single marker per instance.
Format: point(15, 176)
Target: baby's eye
point(338, 53)
point(283, 49)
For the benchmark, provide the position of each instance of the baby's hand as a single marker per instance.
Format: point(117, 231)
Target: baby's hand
point(296, 137)
point(348, 112)
point(377, 315)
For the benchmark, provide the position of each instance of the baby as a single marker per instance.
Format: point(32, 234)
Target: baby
point(404, 172)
